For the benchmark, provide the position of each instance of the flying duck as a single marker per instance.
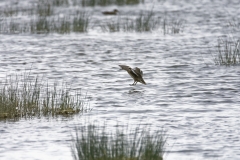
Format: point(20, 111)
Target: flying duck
point(135, 73)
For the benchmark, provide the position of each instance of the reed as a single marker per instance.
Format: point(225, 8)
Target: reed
point(172, 26)
point(92, 3)
point(227, 53)
point(9, 11)
point(114, 25)
point(93, 142)
point(44, 9)
point(81, 22)
point(234, 24)
point(60, 3)
point(28, 97)
point(40, 25)
point(145, 22)
point(61, 25)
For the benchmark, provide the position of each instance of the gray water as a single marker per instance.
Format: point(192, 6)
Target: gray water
point(196, 101)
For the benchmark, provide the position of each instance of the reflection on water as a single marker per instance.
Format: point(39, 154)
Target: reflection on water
point(135, 92)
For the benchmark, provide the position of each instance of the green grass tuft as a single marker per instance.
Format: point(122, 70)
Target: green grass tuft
point(145, 22)
point(95, 143)
point(24, 96)
point(227, 53)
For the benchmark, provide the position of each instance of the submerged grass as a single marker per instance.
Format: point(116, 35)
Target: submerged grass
point(95, 143)
point(25, 96)
point(227, 53)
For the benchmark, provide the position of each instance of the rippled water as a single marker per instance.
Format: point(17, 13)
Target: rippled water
point(194, 100)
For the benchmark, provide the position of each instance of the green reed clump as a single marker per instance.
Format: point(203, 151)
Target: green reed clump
point(132, 2)
point(93, 142)
point(28, 97)
point(90, 3)
point(9, 11)
point(172, 26)
point(93, 3)
point(227, 53)
point(62, 25)
point(104, 2)
point(13, 27)
point(145, 22)
point(81, 22)
point(234, 23)
point(44, 9)
point(112, 26)
point(40, 25)
point(60, 2)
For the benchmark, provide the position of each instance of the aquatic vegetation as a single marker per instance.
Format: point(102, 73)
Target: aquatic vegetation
point(145, 22)
point(10, 11)
point(227, 53)
point(114, 25)
point(61, 25)
point(93, 3)
point(44, 18)
point(173, 26)
point(41, 25)
point(93, 142)
point(44, 9)
point(25, 96)
point(60, 2)
point(234, 24)
point(81, 22)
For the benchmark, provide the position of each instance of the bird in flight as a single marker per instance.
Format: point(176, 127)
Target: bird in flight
point(135, 73)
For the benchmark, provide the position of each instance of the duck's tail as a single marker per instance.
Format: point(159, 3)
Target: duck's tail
point(143, 82)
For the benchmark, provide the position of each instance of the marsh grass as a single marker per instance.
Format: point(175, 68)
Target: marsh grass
point(44, 9)
point(9, 11)
point(43, 19)
point(26, 96)
point(227, 53)
point(145, 22)
point(173, 26)
point(234, 24)
point(45, 25)
point(61, 25)
point(81, 22)
point(40, 25)
point(93, 142)
point(60, 3)
point(92, 3)
point(114, 25)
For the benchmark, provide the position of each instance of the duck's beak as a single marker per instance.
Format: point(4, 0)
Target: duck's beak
point(124, 67)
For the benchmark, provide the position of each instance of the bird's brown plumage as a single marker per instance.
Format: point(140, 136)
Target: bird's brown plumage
point(114, 12)
point(135, 73)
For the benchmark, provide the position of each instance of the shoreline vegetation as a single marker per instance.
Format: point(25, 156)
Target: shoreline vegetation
point(26, 96)
point(62, 17)
point(94, 142)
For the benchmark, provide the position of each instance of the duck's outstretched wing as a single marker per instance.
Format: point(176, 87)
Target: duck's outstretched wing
point(134, 72)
